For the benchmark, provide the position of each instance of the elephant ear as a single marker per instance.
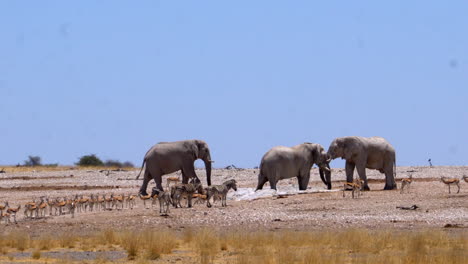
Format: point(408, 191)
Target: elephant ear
point(195, 149)
point(315, 154)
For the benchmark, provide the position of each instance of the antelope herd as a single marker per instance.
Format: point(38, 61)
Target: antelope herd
point(46, 206)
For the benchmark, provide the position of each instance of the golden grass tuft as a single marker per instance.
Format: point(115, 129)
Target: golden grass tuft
point(45, 242)
point(67, 240)
point(157, 243)
point(107, 237)
point(130, 242)
point(19, 240)
point(36, 254)
point(206, 244)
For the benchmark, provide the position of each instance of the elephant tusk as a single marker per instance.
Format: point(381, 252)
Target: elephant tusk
point(326, 169)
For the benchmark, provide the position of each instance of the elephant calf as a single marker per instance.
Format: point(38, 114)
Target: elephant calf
point(288, 162)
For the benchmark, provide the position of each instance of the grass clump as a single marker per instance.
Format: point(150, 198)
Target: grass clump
point(19, 240)
point(45, 242)
point(36, 254)
point(130, 242)
point(67, 240)
point(157, 243)
point(206, 244)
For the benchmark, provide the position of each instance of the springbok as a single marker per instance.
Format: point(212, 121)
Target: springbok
point(170, 180)
point(13, 211)
point(3, 207)
point(406, 182)
point(355, 187)
point(450, 181)
point(144, 198)
point(465, 178)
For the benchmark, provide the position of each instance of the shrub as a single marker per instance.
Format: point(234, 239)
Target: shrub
point(128, 164)
point(33, 161)
point(90, 160)
point(118, 164)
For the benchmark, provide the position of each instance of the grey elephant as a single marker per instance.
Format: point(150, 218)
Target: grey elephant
point(361, 153)
point(288, 162)
point(168, 157)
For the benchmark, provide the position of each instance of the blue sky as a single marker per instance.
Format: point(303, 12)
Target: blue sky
point(115, 77)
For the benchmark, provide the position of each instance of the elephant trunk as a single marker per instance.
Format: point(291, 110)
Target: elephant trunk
point(325, 175)
point(208, 161)
point(328, 177)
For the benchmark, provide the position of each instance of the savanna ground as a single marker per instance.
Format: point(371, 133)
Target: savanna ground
point(312, 227)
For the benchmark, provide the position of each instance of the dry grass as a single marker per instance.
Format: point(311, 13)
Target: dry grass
point(206, 244)
point(272, 247)
point(17, 240)
point(130, 241)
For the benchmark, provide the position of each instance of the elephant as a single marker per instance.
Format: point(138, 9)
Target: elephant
point(287, 162)
point(360, 152)
point(168, 157)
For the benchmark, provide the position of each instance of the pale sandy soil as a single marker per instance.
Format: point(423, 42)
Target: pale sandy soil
point(375, 209)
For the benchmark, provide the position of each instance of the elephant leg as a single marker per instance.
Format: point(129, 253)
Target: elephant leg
point(144, 186)
point(185, 177)
point(261, 181)
point(361, 169)
point(390, 183)
point(158, 180)
point(349, 167)
point(273, 185)
point(303, 181)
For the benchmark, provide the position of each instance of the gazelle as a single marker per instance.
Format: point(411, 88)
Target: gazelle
point(3, 207)
point(131, 201)
point(144, 198)
point(84, 201)
point(42, 207)
point(465, 178)
point(170, 180)
point(52, 205)
point(61, 204)
point(109, 201)
point(406, 182)
point(355, 187)
point(30, 207)
point(13, 211)
point(118, 200)
point(101, 202)
point(5, 215)
point(199, 198)
point(450, 181)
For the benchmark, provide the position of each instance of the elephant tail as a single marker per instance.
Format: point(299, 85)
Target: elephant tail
point(142, 166)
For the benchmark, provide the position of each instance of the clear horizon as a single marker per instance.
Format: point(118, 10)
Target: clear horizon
point(113, 78)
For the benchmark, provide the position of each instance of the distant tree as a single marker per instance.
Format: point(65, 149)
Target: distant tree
point(90, 160)
point(33, 161)
point(113, 163)
point(118, 164)
point(128, 164)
